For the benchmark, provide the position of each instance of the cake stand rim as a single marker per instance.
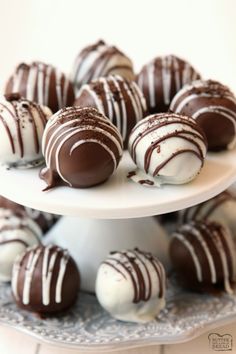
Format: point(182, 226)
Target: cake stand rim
point(123, 211)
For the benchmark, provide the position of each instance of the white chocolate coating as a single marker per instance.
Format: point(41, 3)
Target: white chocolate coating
point(21, 129)
point(130, 285)
point(16, 234)
point(167, 148)
point(100, 60)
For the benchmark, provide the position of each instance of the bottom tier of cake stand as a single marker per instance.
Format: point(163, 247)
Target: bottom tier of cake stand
point(88, 327)
point(90, 241)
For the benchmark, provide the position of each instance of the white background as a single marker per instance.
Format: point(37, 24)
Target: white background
point(203, 31)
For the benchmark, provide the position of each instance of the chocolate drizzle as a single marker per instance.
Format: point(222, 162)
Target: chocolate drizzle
point(18, 114)
point(205, 210)
point(138, 265)
point(81, 147)
point(213, 106)
point(119, 99)
point(41, 83)
point(161, 78)
point(156, 132)
point(45, 279)
point(146, 181)
point(100, 60)
point(205, 251)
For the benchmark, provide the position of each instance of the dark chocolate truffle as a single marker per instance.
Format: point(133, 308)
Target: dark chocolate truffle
point(203, 255)
point(162, 78)
point(21, 131)
point(221, 208)
point(44, 220)
point(167, 148)
point(99, 60)
point(118, 99)
point(213, 106)
point(45, 280)
point(42, 83)
point(82, 148)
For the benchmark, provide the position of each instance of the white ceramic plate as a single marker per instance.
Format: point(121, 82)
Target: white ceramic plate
point(120, 197)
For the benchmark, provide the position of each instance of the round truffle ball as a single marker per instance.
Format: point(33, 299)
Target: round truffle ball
point(213, 106)
point(99, 60)
point(42, 83)
point(167, 148)
point(162, 78)
point(204, 257)
point(82, 148)
point(118, 99)
point(44, 220)
point(221, 209)
point(16, 234)
point(21, 132)
point(131, 285)
point(45, 280)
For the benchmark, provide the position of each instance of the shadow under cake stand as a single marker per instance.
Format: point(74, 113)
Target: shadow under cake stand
point(117, 214)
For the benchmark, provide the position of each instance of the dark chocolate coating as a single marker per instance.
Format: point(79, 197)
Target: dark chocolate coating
point(48, 87)
point(162, 78)
point(213, 105)
point(100, 60)
point(90, 153)
point(70, 284)
point(206, 210)
point(208, 240)
point(44, 220)
point(119, 99)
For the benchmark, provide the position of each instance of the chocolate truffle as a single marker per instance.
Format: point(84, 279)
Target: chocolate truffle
point(44, 220)
point(130, 285)
point(82, 148)
point(204, 257)
point(162, 78)
point(213, 106)
point(118, 99)
point(16, 234)
point(21, 131)
point(221, 209)
point(99, 60)
point(42, 83)
point(45, 280)
point(167, 148)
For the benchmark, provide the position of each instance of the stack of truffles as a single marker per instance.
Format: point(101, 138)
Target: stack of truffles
point(76, 128)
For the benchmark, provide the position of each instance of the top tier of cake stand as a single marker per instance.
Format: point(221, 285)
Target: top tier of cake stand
point(118, 197)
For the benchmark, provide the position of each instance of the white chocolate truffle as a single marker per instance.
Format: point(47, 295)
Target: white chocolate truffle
point(167, 148)
point(130, 285)
point(16, 234)
point(100, 60)
point(21, 131)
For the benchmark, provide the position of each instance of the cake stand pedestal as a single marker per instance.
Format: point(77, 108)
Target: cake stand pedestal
point(102, 219)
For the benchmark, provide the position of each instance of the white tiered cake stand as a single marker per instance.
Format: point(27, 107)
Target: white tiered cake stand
point(104, 218)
